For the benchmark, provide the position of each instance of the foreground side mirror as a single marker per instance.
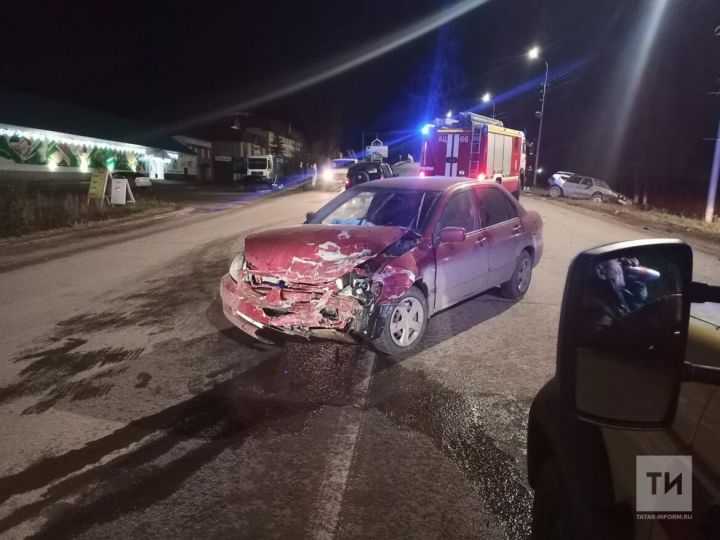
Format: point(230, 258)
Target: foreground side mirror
point(452, 234)
point(623, 331)
point(309, 216)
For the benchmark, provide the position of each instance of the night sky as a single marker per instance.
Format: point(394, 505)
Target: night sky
point(172, 64)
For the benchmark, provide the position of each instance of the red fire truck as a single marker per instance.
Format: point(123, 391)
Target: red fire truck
point(475, 146)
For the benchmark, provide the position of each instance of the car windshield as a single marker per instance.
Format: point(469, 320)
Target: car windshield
point(257, 163)
point(341, 163)
point(409, 209)
point(602, 184)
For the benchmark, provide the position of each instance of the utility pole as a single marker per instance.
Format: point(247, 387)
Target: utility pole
point(362, 148)
point(712, 189)
point(542, 116)
point(715, 172)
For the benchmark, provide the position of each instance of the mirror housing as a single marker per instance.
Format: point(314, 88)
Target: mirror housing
point(623, 331)
point(309, 216)
point(452, 234)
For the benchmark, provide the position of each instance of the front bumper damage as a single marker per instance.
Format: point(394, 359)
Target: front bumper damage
point(298, 310)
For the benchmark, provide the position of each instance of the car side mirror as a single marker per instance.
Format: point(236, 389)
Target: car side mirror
point(623, 331)
point(309, 216)
point(452, 234)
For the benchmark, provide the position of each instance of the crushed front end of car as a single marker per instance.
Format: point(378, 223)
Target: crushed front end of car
point(337, 290)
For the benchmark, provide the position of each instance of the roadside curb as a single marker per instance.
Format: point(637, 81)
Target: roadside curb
point(119, 225)
point(698, 240)
point(88, 228)
point(60, 243)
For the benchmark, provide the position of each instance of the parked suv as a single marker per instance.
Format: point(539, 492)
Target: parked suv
point(366, 171)
point(632, 415)
point(575, 186)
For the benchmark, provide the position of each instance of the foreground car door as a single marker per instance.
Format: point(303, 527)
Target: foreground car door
point(461, 266)
point(504, 232)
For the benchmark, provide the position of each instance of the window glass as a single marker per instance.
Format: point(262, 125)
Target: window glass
point(574, 179)
point(586, 182)
point(459, 213)
point(341, 163)
point(493, 207)
point(403, 208)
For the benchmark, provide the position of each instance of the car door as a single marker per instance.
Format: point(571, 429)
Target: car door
point(503, 230)
point(702, 349)
point(584, 188)
point(693, 432)
point(571, 187)
point(461, 267)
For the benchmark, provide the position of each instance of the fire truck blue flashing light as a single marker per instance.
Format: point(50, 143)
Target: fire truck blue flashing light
point(425, 130)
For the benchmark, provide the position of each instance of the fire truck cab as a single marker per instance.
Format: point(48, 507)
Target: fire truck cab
point(474, 146)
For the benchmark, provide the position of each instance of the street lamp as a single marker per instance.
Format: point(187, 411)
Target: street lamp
point(534, 54)
point(486, 97)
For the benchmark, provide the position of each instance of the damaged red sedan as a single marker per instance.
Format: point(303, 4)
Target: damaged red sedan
point(380, 259)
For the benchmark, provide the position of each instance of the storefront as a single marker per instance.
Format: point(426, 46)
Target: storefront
point(30, 152)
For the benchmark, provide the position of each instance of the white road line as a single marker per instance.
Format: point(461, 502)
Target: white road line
point(324, 521)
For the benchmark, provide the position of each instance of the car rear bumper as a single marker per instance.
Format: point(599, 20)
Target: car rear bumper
point(335, 179)
point(253, 313)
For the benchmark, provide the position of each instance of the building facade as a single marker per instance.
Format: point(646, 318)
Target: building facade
point(43, 139)
point(204, 156)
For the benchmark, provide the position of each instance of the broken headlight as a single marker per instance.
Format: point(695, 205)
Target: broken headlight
point(358, 286)
point(237, 266)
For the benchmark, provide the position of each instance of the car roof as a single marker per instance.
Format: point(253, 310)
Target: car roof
point(427, 183)
point(361, 164)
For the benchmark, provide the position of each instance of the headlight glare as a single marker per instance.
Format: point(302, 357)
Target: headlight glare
point(237, 266)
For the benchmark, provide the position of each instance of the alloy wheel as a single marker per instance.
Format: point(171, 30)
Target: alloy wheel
point(406, 322)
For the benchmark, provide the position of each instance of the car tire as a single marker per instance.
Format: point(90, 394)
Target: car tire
point(597, 198)
point(360, 178)
point(519, 283)
point(556, 191)
point(551, 514)
point(411, 307)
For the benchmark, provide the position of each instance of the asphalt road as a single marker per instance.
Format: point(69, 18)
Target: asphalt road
point(130, 407)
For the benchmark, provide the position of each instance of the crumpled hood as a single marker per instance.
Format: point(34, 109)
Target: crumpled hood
point(316, 253)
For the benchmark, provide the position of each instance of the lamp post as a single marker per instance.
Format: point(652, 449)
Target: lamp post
point(486, 97)
point(534, 54)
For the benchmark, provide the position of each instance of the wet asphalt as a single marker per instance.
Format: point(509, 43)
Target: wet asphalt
point(132, 409)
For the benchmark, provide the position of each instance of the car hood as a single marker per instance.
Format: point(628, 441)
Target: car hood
point(316, 253)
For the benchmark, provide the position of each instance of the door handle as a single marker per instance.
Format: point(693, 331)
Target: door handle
point(481, 241)
point(517, 229)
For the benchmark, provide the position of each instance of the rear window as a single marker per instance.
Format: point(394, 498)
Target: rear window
point(341, 163)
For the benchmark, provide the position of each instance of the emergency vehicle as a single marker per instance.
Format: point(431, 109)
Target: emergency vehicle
point(474, 146)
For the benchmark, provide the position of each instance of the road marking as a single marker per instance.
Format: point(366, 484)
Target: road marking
point(324, 521)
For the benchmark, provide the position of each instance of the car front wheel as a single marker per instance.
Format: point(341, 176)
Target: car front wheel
point(404, 327)
point(519, 283)
point(597, 198)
